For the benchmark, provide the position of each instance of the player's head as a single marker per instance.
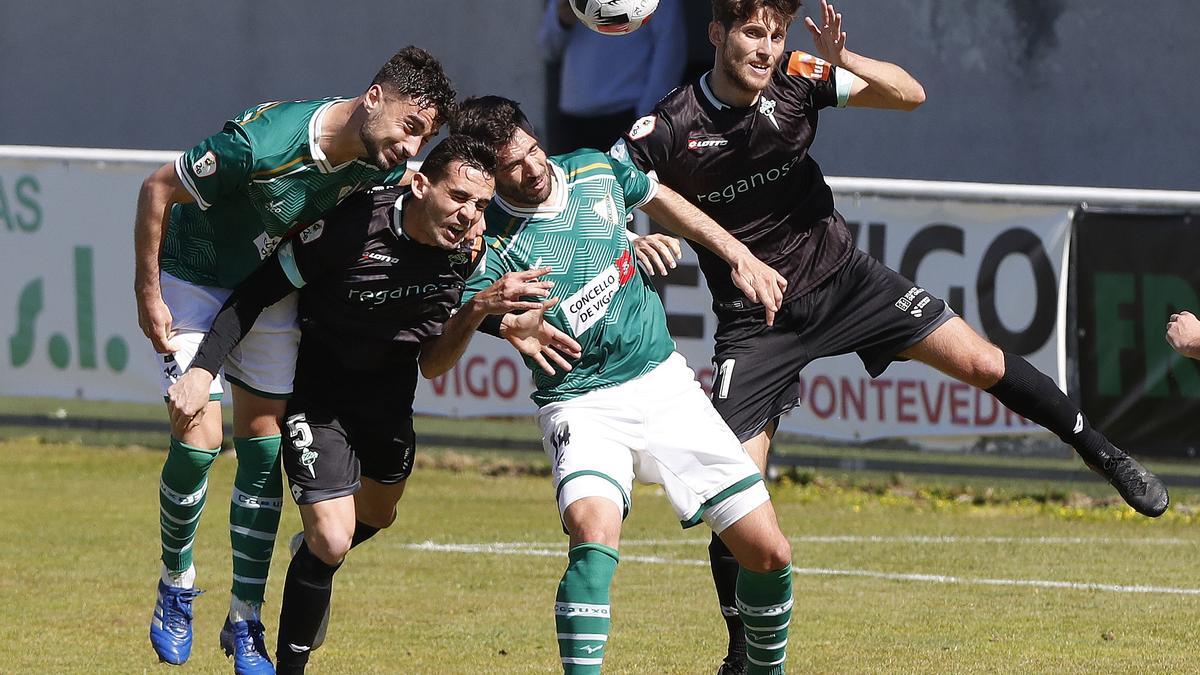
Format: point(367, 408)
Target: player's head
point(453, 188)
point(749, 36)
point(523, 173)
point(407, 102)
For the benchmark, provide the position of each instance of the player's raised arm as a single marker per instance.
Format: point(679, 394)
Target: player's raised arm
point(879, 84)
point(756, 279)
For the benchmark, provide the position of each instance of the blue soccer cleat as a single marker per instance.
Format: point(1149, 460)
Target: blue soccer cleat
point(171, 625)
point(244, 642)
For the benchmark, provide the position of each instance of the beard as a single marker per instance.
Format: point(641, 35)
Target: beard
point(735, 73)
point(374, 151)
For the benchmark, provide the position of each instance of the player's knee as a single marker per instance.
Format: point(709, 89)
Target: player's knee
point(987, 367)
point(329, 546)
point(772, 555)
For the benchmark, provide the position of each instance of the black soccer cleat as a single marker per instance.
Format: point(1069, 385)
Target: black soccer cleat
point(1142, 490)
point(732, 666)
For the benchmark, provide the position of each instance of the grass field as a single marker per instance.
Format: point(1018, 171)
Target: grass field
point(907, 579)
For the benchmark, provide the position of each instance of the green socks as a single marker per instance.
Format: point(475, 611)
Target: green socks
point(765, 603)
point(581, 612)
point(181, 493)
point(254, 514)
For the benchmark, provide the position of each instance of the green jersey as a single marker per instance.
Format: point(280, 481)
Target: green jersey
point(263, 174)
point(605, 301)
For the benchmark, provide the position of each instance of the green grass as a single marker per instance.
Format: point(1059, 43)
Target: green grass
point(79, 549)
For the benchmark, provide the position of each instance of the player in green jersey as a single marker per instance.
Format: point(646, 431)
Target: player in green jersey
point(203, 224)
point(630, 408)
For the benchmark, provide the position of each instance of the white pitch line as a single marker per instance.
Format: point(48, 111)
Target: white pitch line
point(509, 548)
point(908, 539)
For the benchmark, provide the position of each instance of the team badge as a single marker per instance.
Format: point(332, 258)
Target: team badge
point(312, 232)
point(642, 127)
point(206, 165)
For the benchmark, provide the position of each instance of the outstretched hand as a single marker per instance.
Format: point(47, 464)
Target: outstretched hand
point(829, 39)
point(657, 252)
point(760, 282)
point(506, 294)
point(539, 340)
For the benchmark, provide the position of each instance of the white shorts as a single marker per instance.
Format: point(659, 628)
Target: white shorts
point(263, 363)
point(659, 428)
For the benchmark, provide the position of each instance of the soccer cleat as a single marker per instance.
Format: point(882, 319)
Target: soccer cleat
point(171, 625)
point(293, 546)
point(732, 666)
point(1142, 490)
point(244, 642)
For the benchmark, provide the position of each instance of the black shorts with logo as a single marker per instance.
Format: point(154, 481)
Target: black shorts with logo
point(344, 424)
point(864, 307)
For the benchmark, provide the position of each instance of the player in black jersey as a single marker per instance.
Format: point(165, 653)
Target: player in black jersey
point(379, 278)
point(736, 143)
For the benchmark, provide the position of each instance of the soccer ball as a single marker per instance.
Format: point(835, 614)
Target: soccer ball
point(614, 17)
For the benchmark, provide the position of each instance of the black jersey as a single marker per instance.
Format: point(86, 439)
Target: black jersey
point(750, 171)
point(369, 294)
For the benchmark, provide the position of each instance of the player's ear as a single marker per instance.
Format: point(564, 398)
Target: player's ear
point(420, 185)
point(716, 33)
point(373, 97)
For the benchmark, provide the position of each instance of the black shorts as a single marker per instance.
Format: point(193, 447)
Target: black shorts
point(342, 425)
point(864, 307)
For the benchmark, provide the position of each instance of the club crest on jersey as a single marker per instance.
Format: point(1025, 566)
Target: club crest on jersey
point(642, 127)
point(766, 107)
point(312, 232)
point(705, 142)
point(606, 209)
point(587, 307)
point(206, 165)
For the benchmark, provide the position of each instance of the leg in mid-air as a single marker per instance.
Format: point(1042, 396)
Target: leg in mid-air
point(958, 351)
point(183, 489)
point(254, 511)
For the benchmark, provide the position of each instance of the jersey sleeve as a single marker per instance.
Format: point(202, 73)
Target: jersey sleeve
point(638, 187)
point(814, 80)
point(488, 270)
point(647, 145)
point(489, 267)
point(218, 166)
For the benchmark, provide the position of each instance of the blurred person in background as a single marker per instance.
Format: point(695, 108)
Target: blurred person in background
point(203, 224)
point(607, 81)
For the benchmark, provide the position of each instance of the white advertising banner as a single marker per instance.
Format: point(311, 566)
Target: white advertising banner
point(68, 325)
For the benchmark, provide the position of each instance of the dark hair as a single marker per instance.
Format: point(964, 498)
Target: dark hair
point(415, 73)
point(468, 150)
point(729, 12)
point(491, 119)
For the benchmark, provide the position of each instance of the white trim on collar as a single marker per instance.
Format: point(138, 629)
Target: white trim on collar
point(314, 138)
point(718, 103)
point(397, 221)
point(547, 209)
